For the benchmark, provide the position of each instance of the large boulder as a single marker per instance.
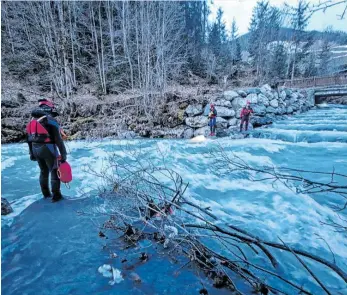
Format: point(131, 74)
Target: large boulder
point(260, 121)
point(283, 95)
point(188, 133)
point(196, 122)
point(232, 122)
point(221, 123)
point(126, 134)
point(253, 90)
point(259, 110)
point(5, 207)
point(238, 113)
point(271, 110)
point(230, 94)
point(239, 103)
point(274, 103)
point(194, 109)
point(222, 133)
point(242, 93)
point(265, 88)
point(225, 112)
point(206, 110)
point(252, 98)
point(262, 99)
point(223, 103)
point(290, 110)
point(202, 131)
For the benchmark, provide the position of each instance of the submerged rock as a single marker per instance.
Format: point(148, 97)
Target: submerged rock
point(5, 207)
point(202, 131)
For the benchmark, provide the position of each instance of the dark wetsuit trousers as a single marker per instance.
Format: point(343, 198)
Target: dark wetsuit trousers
point(48, 165)
point(245, 119)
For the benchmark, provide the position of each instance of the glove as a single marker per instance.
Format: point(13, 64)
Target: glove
point(63, 159)
point(32, 158)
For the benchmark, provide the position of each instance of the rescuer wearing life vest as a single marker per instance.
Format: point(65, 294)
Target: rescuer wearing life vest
point(245, 115)
point(44, 140)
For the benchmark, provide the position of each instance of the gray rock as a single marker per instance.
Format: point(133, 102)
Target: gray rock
point(221, 133)
point(295, 106)
point(196, 122)
point(253, 90)
point(288, 92)
point(265, 88)
point(225, 112)
point(239, 103)
point(294, 96)
point(262, 99)
point(232, 122)
point(238, 113)
point(242, 93)
point(223, 103)
point(193, 110)
point(260, 121)
point(126, 134)
point(274, 103)
point(188, 133)
point(271, 110)
point(202, 131)
point(230, 94)
point(290, 110)
point(252, 98)
point(207, 110)
point(283, 95)
point(282, 110)
point(5, 207)
point(221, 123)
point(259, 110)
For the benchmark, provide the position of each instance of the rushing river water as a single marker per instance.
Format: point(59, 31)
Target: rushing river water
point(50, 249)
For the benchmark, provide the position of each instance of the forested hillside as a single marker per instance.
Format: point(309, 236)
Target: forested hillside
point(114, 47)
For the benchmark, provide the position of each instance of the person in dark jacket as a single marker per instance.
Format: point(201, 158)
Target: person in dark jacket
point(44, 140)
point(245, 115)
point(212, 119)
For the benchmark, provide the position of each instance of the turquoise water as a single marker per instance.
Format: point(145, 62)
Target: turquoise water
point(50, 249)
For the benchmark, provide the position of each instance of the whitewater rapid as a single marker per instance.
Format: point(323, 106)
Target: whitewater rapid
point(316, 140)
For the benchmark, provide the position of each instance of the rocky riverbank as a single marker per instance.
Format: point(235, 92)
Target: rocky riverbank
point(177, 115)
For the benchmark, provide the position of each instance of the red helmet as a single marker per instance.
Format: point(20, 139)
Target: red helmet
point(46, 102)
point(211, 105)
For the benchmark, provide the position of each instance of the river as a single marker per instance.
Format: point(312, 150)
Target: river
point(50, 249)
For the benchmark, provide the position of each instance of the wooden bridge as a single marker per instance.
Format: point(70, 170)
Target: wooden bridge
point(314, 82)
point(321, 87)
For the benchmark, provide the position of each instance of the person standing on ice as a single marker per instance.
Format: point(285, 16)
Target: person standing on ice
point(245, 115)
point(44, 137)
point(212, 119)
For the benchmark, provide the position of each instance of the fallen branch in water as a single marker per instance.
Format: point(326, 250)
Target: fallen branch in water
point(148, 201)
point(299, 181)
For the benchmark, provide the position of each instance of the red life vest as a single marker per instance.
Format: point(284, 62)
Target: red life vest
point(36, 132)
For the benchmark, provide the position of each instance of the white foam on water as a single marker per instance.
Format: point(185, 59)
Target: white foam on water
point(7, 163)
point(19, 206)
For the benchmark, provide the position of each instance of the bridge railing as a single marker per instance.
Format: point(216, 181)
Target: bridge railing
point(316, 81)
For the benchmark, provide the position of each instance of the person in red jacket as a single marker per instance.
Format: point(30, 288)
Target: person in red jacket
point(44, 140)
point(245, 115)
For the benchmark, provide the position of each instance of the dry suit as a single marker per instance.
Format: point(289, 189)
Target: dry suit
point(43, 147)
